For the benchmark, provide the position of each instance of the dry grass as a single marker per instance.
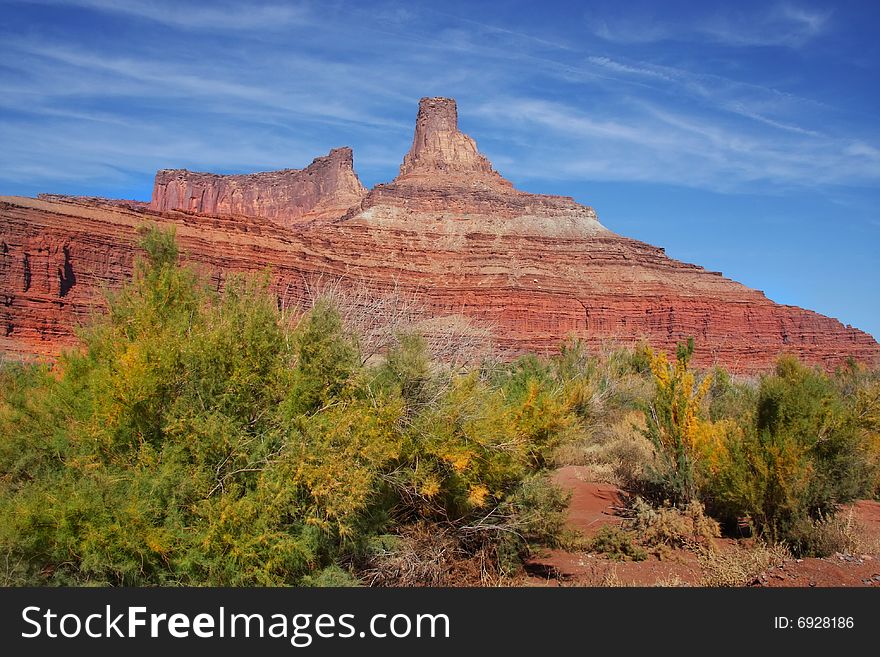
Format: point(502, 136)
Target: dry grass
point(600, 576)
point(615, 453)
point(841, 533)
point(607, 577)
point(430, 555)
point(378, 316)
point(616, 544)
point(672, 582)
point(740, 565)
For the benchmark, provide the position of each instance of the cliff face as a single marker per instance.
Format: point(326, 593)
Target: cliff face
point(535, 269)
point(327, 187)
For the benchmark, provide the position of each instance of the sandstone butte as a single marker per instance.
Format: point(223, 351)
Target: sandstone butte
point(532, 268)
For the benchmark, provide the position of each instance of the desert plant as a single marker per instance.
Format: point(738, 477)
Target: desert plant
point(669, 527)
point(794, 461)
point(614, 450)
point(677, 427)
point(826, 535)
point(617, 544)
point(739, 565)
point(204, 437)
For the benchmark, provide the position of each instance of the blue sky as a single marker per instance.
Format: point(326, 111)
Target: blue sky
point(743, 136)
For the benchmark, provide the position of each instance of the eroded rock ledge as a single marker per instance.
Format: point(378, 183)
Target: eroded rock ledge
point(327, 187)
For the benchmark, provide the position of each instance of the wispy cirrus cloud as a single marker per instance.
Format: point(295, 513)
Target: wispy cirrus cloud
point(155, 77)
point(222, 15)
point(652, 143)
point(748, 100)
point(780, 25)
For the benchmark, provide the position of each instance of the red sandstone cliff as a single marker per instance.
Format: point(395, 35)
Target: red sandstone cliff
point(327, 187)
point(534, 268)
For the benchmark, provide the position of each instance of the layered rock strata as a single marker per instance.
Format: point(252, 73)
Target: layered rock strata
point(325, 188)
point(534, 269)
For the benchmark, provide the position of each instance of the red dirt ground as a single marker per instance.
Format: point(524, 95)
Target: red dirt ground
point(594, 505)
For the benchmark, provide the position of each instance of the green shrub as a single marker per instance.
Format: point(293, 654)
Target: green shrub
point(795, 461)
point(617, 544)
point(331, 576)
point(406, 371)
point(860, 389)
point(732, 399)
point(199, 438)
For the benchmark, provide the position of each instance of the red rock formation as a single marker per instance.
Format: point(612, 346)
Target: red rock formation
point(533, 268)
point(439, 148)
point(444, 177)
point(327, 187)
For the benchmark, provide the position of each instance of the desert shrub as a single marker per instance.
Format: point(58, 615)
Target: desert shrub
point(406, 371)
point(762, 478)
point(487, 547)
point(826, 535)
point(534, 515)
point(331, 576)
point(615, 451)
point(200, 437)
point(326, 359)
point(678, 428)
point(802, 402)
point(469, 450)
point(164, 428)
point(669, 527)
point(536, 512)
point(31, 406)
point(859, 387)
point(617, 544)
point(794, 461)
point(522, 375)
point(730, 398)
point(424, 554)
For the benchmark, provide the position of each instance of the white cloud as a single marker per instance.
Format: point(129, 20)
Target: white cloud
point(653, 143)
point(747, 100)
point(779, 25)
point(223, 15)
